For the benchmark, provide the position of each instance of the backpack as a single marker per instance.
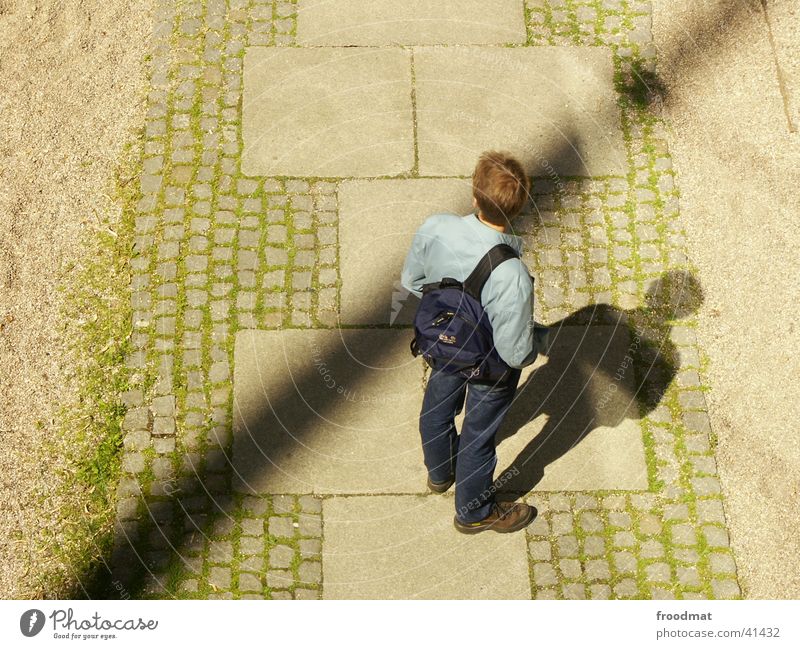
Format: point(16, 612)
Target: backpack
point(452, 332)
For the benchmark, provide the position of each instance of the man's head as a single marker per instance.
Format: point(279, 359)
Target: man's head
point(500, 187)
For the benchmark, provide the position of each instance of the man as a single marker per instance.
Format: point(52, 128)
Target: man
point(451, 246)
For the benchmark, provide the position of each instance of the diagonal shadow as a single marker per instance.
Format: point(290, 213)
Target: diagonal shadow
point(620, 368)
point(720, 17)
point(181, 517)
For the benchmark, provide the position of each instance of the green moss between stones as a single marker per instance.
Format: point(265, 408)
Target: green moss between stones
point(90, 432)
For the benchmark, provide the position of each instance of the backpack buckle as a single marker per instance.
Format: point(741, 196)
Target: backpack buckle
point(449, 282)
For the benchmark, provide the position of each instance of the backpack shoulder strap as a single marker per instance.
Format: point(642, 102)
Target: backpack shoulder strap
point(491, 260)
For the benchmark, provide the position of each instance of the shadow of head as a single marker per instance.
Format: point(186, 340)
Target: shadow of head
point(645, 89)
point(675, 295)
point(604, 365)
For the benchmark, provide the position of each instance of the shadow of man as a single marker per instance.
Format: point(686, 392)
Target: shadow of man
point(604, 365)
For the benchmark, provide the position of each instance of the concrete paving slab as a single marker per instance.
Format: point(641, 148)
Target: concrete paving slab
point(553, 107)
point(327, 112)
point(405, 547)
point(413, 22)
point(336, 412)
point(377, 221)
point(326, 412)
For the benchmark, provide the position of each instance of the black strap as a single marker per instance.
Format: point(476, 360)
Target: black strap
point(446, 282)
point(491, 260)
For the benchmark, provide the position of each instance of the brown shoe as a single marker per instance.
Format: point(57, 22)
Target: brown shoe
point(440, 487)
point(505, 517)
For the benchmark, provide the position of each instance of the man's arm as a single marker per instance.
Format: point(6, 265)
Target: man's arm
point(413, 274)
point(508, 301)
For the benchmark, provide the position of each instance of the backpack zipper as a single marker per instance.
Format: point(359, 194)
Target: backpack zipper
point(475, 328)
point(448, 315)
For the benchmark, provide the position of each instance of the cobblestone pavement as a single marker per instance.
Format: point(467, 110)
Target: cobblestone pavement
point(217, 252)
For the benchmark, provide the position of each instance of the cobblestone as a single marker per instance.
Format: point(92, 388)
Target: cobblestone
point(279, 579)
point(624, 539)
point(600, 591)
point(540, 550)
point(281, 527)
point(597, 569)
point(544, 574)
point(626, 588)
point(652, 549)
point(676, 512)
point(594, 546)
point(220, 578)
point(310, 572)
point(722, 563)
point(725, 589)
point(281, 556)
point(658, 572)
point(250, 546)
point(649, 525)
point(716, 537)
point(684, 534)
point(567, 546)
point(251, 583)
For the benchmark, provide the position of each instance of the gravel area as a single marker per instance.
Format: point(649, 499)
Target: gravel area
point(737, 168)
point(72, 87)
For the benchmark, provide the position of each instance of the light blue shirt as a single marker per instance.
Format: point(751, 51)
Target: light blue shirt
point(451, 246)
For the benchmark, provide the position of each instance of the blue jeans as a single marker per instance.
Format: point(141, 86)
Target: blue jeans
point(470, 456)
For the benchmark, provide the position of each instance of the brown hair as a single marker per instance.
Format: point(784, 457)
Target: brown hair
point(500, 186)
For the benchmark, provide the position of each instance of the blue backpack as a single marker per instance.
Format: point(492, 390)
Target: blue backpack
point(452, 332)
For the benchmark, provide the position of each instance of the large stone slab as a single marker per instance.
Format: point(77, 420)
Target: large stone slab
point(377, 222)
point(411, 22)
point(336, 412)
point(326, 412)
point(327, 112)
point(554, 107)
point(405, 547)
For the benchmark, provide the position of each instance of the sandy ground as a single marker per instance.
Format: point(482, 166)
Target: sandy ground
point(739, 172)
point(71, 90)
